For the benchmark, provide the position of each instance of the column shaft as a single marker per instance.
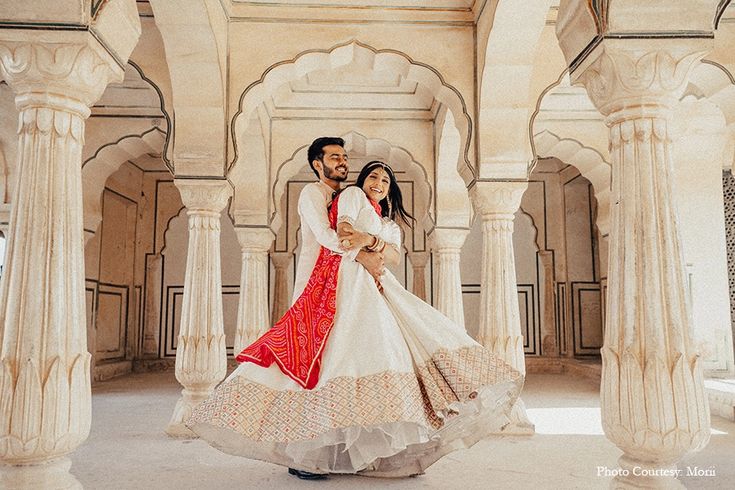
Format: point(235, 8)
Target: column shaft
point(45, 396)
point(446, 247)
point(500, 322)
point(652, 385)
point(418, 261)
point(253, 318)
point(282, 294)
point(201, 355)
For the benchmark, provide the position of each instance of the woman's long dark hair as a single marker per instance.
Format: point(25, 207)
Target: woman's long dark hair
point(392, 205)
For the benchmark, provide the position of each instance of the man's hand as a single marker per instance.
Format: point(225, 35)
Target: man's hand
point(350, 239)
point(373, 262)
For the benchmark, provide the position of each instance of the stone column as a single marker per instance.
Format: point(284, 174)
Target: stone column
point(500, 322)
point(446, 245)
point(419, 261)
point(252, 316)
point(45, 397)
point(652, 398)
point(201, 356)
point(282, 293)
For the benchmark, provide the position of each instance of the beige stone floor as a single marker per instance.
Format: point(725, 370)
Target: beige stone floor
point(127, 448)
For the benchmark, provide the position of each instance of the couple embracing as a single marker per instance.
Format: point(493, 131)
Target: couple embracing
point(359, 375)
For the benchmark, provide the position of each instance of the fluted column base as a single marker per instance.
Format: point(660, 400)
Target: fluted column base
point(190, 398)
point(50, 475)
point(520, 424)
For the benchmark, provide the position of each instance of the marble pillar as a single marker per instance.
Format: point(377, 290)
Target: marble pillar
point(418, 263)
point(652, 396)
point(446, 245)
point(201, 355)
point(500, 322)
point(45, 397)
point(253, 318)
point(282, 293)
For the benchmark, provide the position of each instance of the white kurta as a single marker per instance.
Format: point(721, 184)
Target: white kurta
point(400, 384)
point(315, 232)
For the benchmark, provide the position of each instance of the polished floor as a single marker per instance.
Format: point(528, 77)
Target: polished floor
point(127, 448)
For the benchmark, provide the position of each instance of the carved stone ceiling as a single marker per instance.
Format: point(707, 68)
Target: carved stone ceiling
point(355, 91)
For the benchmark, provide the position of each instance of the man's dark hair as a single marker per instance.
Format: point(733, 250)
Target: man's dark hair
point(316, 149)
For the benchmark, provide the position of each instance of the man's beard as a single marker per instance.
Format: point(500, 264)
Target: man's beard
point(332, 174)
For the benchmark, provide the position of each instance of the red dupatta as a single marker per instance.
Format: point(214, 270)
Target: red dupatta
point(296, 342)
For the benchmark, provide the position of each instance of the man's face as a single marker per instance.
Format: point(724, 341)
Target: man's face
point(334, 165)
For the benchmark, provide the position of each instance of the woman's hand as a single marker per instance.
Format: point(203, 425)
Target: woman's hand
point(350, 238)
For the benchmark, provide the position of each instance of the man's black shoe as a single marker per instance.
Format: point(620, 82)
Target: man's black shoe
point(306, 475)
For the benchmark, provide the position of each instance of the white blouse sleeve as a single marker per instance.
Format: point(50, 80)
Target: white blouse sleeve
point(391, 234)
point(351, 201)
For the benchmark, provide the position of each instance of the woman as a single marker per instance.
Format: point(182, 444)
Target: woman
point(358, 378)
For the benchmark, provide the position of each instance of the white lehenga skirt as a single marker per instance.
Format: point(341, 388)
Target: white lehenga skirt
point(400, 386)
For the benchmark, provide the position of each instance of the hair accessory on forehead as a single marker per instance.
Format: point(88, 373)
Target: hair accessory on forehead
point(378, 163)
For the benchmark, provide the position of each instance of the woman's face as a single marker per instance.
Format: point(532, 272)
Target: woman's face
point(377, 184)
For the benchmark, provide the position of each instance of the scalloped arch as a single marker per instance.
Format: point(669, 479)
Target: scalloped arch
point(180, 214)
point(590, 164)
point(106, 160)
point(717, 84)
point(362, 54)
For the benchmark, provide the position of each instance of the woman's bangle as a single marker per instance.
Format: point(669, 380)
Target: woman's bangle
point(378, 246)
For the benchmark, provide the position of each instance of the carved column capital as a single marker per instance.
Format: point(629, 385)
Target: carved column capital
point(68, 73)
point(447, 239)
point(255, 239)
point(201, 196)
point(639, 75)
point(497, 199)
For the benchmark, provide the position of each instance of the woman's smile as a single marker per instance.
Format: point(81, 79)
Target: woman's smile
point(377, 184)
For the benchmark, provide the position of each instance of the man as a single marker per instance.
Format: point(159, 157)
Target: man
point(328, 159)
